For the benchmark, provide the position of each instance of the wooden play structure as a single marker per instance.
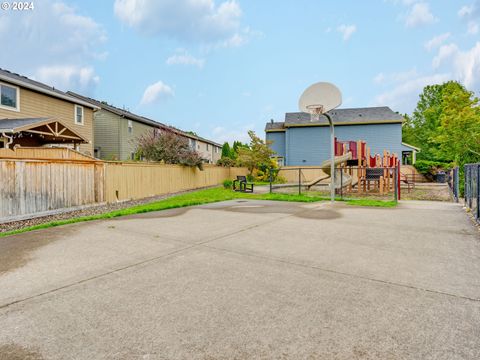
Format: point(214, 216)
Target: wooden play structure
point(366, 172)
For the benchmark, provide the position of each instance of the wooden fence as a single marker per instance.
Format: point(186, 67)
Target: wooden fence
point(139, 180)
point(62, 178)
point(308, 173)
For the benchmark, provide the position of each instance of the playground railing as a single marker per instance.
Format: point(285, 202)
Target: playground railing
point(350, 182)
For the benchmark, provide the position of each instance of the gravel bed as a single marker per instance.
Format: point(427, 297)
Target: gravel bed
point(93, 210)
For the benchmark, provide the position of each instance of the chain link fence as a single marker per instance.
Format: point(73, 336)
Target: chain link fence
point(350, 182)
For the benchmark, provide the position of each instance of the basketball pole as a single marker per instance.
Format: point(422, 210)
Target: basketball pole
point(332, 158)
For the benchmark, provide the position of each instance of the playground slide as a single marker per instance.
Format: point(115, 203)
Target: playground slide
point(347, 179)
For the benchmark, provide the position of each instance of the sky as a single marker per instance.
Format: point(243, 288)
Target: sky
point(223, 67)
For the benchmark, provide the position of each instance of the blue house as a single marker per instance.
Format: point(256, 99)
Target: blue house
point(299, 141)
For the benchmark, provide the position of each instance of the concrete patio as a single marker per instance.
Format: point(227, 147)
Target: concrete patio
point(247, 279)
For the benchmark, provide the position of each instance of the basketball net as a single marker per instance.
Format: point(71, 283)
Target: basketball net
point(315, 112)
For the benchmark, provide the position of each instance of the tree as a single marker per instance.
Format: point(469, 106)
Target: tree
point(226, 151)
point(459, 132)
point(236, 146)
point(422, 127)
point(257, 155)
point(169, 147)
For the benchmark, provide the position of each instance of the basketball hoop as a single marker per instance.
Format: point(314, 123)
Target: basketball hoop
point(318, 99)
point(315, 111)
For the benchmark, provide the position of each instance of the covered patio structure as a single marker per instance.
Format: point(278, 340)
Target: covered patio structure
point(37, 132)
point(409, 154)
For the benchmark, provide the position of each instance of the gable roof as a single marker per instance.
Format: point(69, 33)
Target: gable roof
point(351, 116)
point(37, 86)
point(49, 127)
point(142, 119)
point(120, 112)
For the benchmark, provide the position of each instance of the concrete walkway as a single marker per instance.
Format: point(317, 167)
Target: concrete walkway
point(247, 279)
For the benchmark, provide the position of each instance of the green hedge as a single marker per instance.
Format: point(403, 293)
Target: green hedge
point(430, 168)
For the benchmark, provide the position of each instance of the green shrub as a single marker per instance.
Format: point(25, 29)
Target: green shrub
point(430, 168)
point(226, 162)
point(227, 183)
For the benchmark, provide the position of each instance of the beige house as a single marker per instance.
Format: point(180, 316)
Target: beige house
point(116, 132)
point(208, 150)
point(35, 114)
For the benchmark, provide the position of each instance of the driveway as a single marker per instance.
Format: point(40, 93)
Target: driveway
point(247, 279)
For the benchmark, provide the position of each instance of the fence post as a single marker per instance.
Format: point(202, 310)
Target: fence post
point(395, 179)
point(299, 181)
point(478, 193)
point(341, 183)
point(455, 183)
point(271, 180)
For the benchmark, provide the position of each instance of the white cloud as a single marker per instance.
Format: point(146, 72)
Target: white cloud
point(68, 77)
point(182, 57)
point(221, 134)
point(436, 41)
point(54, 33)
point(469, 11)
point(155, 92)
point(473, 28)
point(419, 15)
point(347, 31)
point(445, 52)
point(404, 96)
point(379, 78)
point(464, 65)
point(393, 78)
point(450, 63)
point(240, 38)
point(191, 20)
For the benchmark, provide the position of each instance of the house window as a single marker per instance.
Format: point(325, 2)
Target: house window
point(216, 149)
point(78, 115)
point(130, 126)
point(207, 147)
point(9, 97)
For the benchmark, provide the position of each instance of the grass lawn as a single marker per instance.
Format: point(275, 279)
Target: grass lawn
point(198, 198)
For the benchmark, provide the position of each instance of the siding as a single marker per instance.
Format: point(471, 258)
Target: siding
point(311, 145)
point(106, 126)
point(278, 142)
point(307, 145)
point(379, 137)
point(210, 154)
point(128, 142)
point(34, 105)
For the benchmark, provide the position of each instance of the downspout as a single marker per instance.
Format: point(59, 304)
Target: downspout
point(10, 140)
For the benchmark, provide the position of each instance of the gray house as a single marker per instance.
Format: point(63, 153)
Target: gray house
point(116, 132)
point(300, 141)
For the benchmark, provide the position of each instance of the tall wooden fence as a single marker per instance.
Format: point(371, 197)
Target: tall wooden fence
point(62, 178)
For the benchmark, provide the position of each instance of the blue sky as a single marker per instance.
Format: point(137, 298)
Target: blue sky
point(221, 67)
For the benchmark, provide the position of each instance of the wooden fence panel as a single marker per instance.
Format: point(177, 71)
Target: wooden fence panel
point(290, 173)
point(29, 187)
point(124, 181)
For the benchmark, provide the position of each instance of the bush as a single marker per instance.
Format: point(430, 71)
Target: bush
point(430, 168)
point(226, 162)
point(169, 147)
point(227, 183)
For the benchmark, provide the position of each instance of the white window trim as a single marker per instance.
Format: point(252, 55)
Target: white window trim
point(75, 115)
point(130, 126)
point(17, 109)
